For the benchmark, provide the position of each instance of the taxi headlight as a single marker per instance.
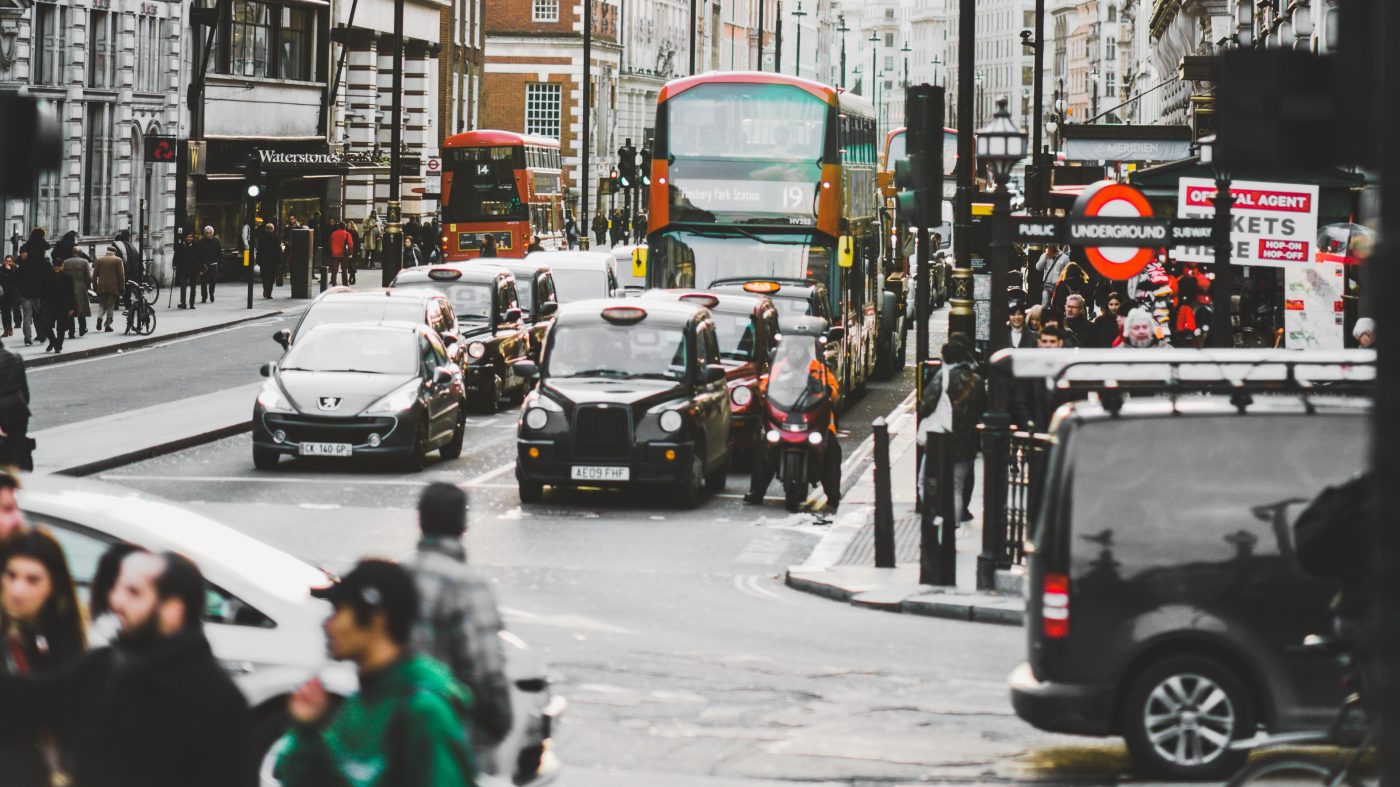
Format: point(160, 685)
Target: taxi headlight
point(671, 421)
point(476, 350)
point(402, 399)
point(536, 418)
point(741, 395)
point(272, 398)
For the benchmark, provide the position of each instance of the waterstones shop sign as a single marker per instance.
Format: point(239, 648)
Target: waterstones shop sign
point(322, 161)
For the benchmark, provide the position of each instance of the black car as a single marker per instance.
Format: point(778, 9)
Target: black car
point(1165, 603)
point(490, 325)
point(342, 304)
point(534, 286)
point(361, 390)
point(629, 394)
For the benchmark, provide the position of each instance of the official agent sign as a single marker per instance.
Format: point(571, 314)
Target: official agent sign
point(1273, 224)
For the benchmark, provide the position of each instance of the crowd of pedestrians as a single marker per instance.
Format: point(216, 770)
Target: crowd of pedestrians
point(123, 689)
point(614, 228)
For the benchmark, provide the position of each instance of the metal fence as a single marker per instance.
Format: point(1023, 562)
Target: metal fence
point(1025, 470)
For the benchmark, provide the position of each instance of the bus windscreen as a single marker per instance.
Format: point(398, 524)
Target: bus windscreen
point(483, 184)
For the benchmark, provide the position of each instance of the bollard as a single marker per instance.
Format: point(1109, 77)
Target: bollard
point(884, 506)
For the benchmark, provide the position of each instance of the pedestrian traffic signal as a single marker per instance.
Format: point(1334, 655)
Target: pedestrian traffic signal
point(612, 180)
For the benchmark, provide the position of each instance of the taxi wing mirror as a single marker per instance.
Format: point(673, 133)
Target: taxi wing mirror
point(527, 369)
point(714, 373)
point(548, 308)
point(283, 337)
point(450, 338)
point(266, 369)
point(835, 334)
point(442, 376)
point(513, 315)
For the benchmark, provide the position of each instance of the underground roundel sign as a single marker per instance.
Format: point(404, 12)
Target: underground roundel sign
point(1108, 211)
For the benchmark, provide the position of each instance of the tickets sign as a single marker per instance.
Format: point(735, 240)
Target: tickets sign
point(1272, 224)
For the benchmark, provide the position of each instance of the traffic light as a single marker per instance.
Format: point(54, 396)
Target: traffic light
point(918, 174)
point(612, 180)
point(30, 143)
point(646, 166)
point(627, 165)
point(253, 177)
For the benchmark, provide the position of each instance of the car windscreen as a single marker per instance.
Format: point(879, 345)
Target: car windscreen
point(524, 293)
point(373, 351)
point(360, 310)
point(795, 381)
point(607, 350)
point(792, 306)
point(470, 301)
point(736, 335)
point(580, 285)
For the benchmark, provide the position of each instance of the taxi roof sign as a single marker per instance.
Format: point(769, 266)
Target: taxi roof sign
point(444, 274)
point(762, 287)
point(705, 299)
point(625, 315)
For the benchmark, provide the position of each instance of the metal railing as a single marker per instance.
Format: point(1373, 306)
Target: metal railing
point(1025, 471)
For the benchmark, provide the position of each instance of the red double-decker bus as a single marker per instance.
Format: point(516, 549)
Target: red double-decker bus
point(765, 176)
point(503, 184)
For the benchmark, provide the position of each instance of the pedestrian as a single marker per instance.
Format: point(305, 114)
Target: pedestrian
point(209, 251)
point(186, 269)
point(615, 227)
point(1140, 331)
point(1022, 336)
point(130, 256)
point(9, 296)
point(41, 626)
point(535, 244)
point(600, 228)
point(1073, 281)
point(12, 524)
point(267, 251)
point(413, 230)
point(1051, 265)
point(1076, 320)
point(639, 227)
point(103, 624)
point(66, 247)
point(488, 246)
point(56, 307)
point(432, 242)
point(412, 258)
point(1188, 327)
point(1365, 333)
point(356, 254)
point(1108, 326)
point(407, 725)
point(1033, 317)
point(15, 446)
point(80, 271)
point(154, 709)
point(571, 231)
point(371, 238)
point(955, 400)
point(1049, 318)
point(461, 624)
point(34, 270)
point(342, 249)
point(109, 274)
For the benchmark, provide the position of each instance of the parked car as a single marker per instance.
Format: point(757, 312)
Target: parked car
point(747, 328)
point(491, 325)
point(630, 394)
point(361, 390)
point(579, 275)
point(261, 620)
point(1165, 602)
point(342, 304)
point(534, 286)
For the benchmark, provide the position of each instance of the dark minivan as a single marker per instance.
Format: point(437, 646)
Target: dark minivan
point(1165, 601)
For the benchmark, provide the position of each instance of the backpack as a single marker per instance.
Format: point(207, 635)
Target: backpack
point(1332, 535)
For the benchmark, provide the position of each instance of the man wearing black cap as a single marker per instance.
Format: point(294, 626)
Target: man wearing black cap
point(460, 625)
point(407, 725)
point(1022, 336)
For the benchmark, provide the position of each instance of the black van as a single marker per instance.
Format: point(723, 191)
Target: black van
point(1165, 603)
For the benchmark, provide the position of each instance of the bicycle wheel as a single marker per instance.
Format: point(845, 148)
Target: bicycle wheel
point(1294, 770)
point(151, 289)
point(146, 320)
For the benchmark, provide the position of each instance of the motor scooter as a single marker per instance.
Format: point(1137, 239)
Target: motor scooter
point(801, 399)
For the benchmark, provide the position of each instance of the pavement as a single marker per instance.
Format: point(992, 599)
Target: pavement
point(841, 567)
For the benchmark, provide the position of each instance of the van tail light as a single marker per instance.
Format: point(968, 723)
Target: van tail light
point(1054, 607)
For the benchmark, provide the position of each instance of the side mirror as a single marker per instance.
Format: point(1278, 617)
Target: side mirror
point(450, 338)
point(835, 334)
point(442, 376)
point(283, 337)
point(527, 369)
point(548, 308)
point(714, 373)
point(513, 315)
point(266, 370)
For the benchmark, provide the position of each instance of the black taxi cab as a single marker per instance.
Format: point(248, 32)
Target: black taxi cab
point(534, 286)
point(630, 394)
point(490, 325)
point(793, 298)
point(747, 328)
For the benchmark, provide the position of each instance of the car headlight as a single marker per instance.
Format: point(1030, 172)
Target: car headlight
point(402, 399)
point(671, 421)
point(272, 398)
point(536, 418)
point(476, 350)
point(741, 395)
point(815, 438)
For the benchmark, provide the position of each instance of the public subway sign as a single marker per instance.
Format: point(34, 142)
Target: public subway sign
point(1272, 224)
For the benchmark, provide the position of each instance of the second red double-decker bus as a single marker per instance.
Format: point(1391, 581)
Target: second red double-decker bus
point(502, 184)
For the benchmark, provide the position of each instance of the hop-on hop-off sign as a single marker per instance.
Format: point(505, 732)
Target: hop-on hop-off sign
point(1113, 224)
point(1273, 224)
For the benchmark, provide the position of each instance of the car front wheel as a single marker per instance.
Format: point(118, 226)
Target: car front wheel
point(265, 458)
point(1180, 715)
point(453, 448)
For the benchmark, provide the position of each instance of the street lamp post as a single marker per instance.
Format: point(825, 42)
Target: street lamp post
point(936, 62)
point(798, 13)
point(874, 71)
point(1223, 287)
point(761, 4)
point(1094, 102)
point(843, 30)
point(906, 50)
point(1000, 145)
point(585, 166)
point(979, 79)
point(1040, 199)
point(393, 216)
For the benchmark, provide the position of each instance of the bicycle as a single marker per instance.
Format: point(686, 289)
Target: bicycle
point(1305, 769)
point(140, 314)
point(150, 286)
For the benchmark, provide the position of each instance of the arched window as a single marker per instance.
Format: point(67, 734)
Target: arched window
point(1113, 13)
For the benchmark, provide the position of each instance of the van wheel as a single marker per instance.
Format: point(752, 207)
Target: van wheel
point(1181, 714)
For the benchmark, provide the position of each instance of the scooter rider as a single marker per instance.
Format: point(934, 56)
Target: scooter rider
point(763, 465)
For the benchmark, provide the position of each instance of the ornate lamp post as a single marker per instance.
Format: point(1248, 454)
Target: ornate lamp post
point(798, 13)
point(936, 62)
point(906, 50)
point(843, 30)
point(1223, 287)
point(1000, 146)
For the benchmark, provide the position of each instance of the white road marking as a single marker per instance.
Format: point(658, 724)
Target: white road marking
point(753, 585)
point(763, 550)
point(490, 475)
point(348, 481)
point(575, 622)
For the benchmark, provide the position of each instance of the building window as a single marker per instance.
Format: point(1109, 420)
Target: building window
point(542, 103)
point(101, 57)
point(294, 44)
point(1111, 49)
point(889, 39)
point(252, 31)
point(45, 209)
point(49, 43)
point(97, 175)
point(1110, 83)
point(546, 11)
point(149, 61)
point(1112, 13)
point(889, 62)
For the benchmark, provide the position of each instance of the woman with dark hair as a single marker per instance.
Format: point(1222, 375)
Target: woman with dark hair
point(1073, 281)
point(104, 625)
point(42, 629)
point(1108, 326)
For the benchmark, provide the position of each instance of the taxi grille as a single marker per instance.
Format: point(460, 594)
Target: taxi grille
point(602, 432)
